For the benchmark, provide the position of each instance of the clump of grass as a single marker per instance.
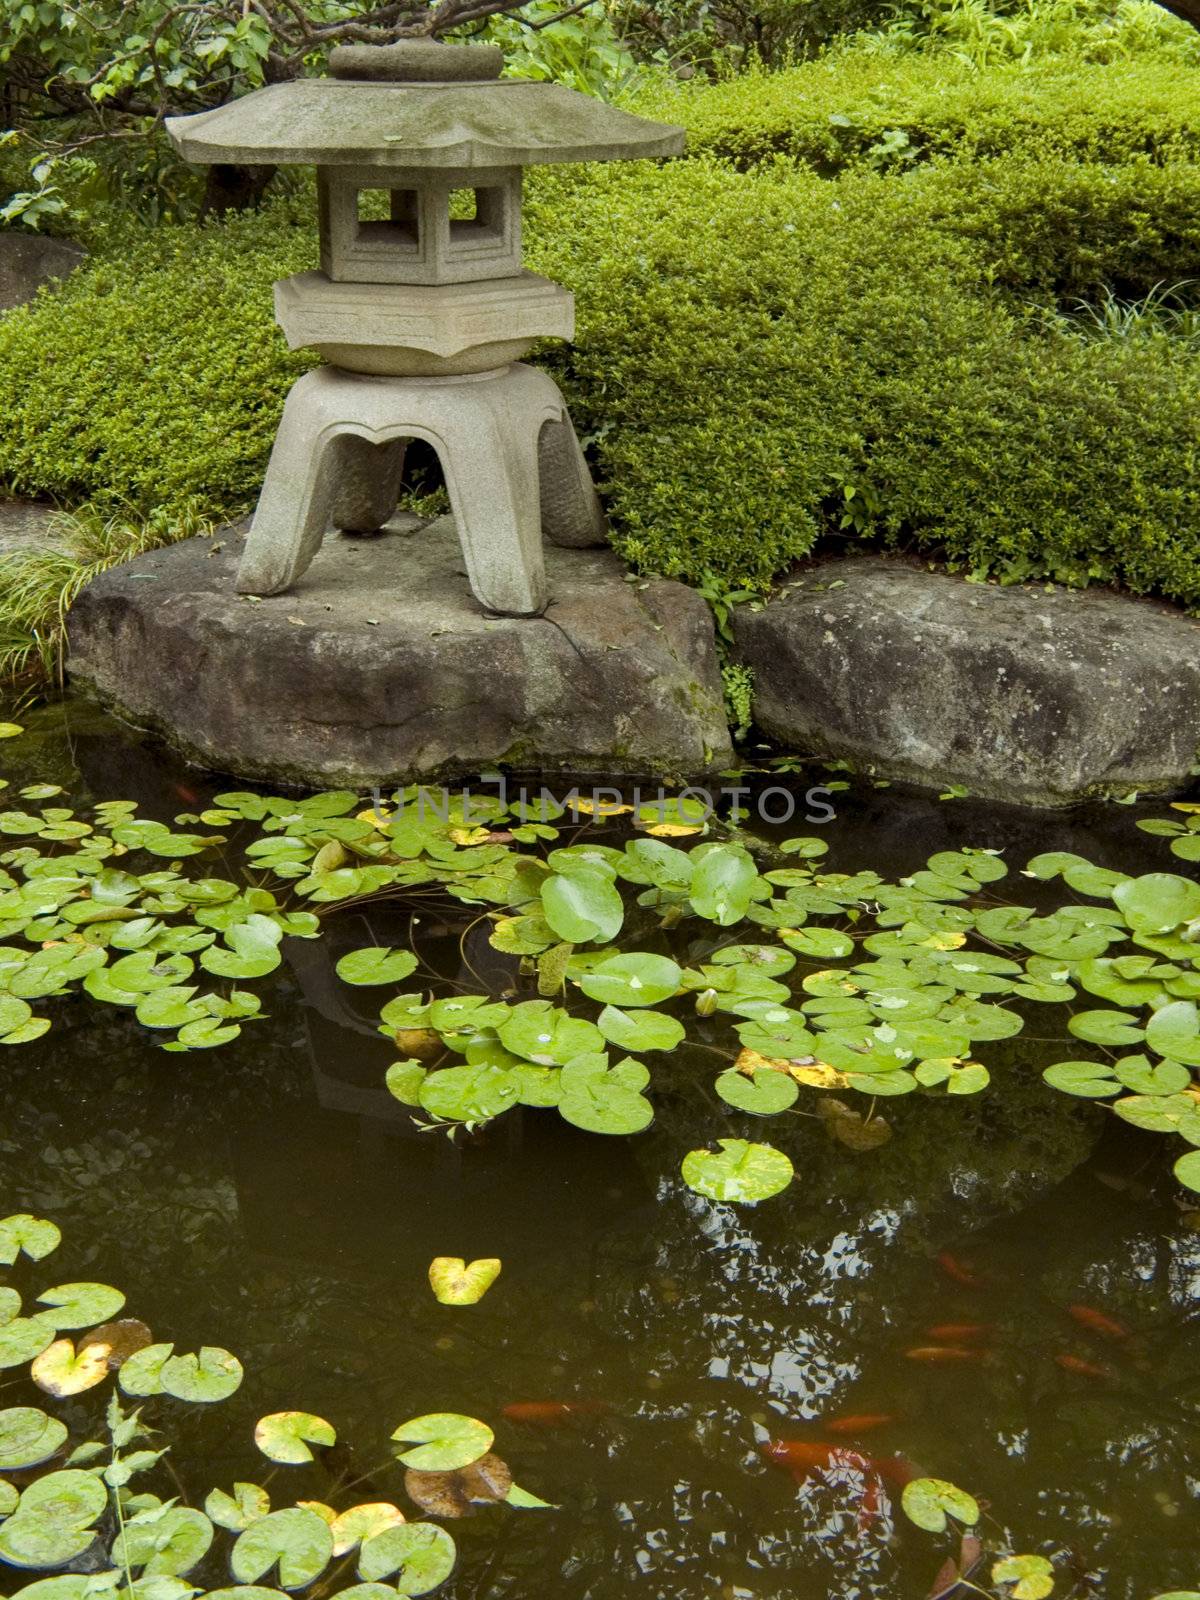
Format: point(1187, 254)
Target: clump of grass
point(38, 587)
point(1161, 313)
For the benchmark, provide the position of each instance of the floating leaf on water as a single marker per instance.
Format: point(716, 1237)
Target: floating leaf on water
point(455, 1283)
point(453, 1494)
point(1106, 1027)
point(418, 1556)
point(927, 1501)
point(1158, 902)
point(524, 1501)
point(1032, 1577)
point(22, 1232)
point(723, 882)
point(10, 730)
point(376, 965)
point(469, 1094)
point(24, 1338)
point(28, 1437)
point(602, 1100)
point(213, 1374)
point(164, 1545)
point(295, 1541)
point(404, 1079)
point(285, 1436)
point(1187, 1170)
point(141, 1374)
point(1175, 1032)
point(763, 1094)
point(642, 1030)
point(633, 980)
point(443, 1440)
point(53, 1521)
point(823, 944)
point(80, 1305)
point(582, 906)
point(1090, 1080)
point(61, 1372)
point(739, 1171)
point(360, 1523)
point(248, 1503)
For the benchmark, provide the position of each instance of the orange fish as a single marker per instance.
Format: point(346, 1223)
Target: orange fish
point(866, 1423)
point(184, 793)
point(960, 1332)
point(1096, 1322)
point(549, 1413)
point(1082, 1368)
point(804, 1457)
point(943, 1354)
point(959, 1271)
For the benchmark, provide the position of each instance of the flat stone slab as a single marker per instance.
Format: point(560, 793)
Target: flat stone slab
point(1034, 694)
point(381, 667)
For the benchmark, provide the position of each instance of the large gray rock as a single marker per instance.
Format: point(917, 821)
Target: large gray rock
point(1036, 694)
point(27, 260)
point(380, 666)
point(28, 525)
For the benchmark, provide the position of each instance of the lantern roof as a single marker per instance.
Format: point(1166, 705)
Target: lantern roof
point(418, 104)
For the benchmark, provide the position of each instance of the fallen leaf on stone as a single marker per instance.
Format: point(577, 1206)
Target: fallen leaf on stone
point(124, 1339)
point(60, 1372)
point(457, 1284)
point(453, 1494)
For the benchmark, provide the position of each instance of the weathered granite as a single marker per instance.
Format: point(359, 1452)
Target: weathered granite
point(380, 666)
point(1037, 694)
point(28, 260)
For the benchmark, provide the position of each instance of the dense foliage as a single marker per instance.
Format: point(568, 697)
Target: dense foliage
point(781, 356)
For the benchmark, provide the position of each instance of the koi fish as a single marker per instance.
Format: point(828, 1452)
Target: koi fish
point(551, 1413)
point(866, 1423)
point(1096, 1322)
point(184, 793)
point(943, 1354)
point(1082, 1368)
point(804, 1457)
point(960, 1332)
point(961, 1273)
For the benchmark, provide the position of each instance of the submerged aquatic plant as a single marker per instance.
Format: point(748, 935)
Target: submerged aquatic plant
point(76, 1515)
point(808, 984)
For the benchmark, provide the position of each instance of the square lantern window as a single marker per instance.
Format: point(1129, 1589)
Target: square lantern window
point(433, 228)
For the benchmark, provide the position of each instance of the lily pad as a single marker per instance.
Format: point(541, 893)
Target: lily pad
point(1032, 1577)
point(583, 905)
point(28, 1437)
point(764, 1093)
point(739, 1171)
point(24, 1338)
point(80, 1305)
point(285, 1436)
point(928, 1501)
point(61, 1372)
point(360, 1523)
point(443, 1440)
point(375, 965)
point(33, 1235)
point(453, 1494)
point(296, 1542)
point(418, 1556)
point(455, 1283)
point(248, 1503)
point(165, 1543)
point(643, 1030)
point(633, 980)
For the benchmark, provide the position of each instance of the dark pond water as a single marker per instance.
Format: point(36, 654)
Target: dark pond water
point(272, 1197)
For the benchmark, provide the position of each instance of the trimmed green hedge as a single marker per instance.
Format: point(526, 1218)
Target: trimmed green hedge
point(846, 110)
point(756, 352)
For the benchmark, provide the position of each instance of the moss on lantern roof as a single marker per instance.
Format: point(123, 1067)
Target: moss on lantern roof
point(356, 122)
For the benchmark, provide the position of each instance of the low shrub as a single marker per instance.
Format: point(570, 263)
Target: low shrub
point(856, 108)
point(762, 358)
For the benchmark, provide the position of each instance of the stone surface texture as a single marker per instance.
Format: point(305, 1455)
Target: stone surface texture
point(486, 429)
point(27, 261)
point(1034, 694)
point(381, 666)
point(339, 122)
point(27, 525)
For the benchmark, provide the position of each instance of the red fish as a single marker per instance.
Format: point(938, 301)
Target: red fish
point(943, 1354)
point(550, 1413)
point(184, 793)
point(1082, 1368)
point(804, 1457)
point(1096, 1322)
point(866, 1423)
point(959, 1271)
point(960, 1332)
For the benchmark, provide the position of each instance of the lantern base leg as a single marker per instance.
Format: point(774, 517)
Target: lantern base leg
point(490, 432)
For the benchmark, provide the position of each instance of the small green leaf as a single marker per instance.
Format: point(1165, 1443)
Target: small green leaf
point(376, 965)
point(22, 1232)
point(455, 1283)
point(296, 1541)
point(739, 1171)
point(285, 1436)
point(927, 1501)
point(80, 1305)
point(1032, 1576)
point(420, 1555)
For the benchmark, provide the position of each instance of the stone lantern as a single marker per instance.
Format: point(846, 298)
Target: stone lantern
point(421, 310)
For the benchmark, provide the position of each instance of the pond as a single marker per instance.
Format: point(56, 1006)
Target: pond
point(994, 1288)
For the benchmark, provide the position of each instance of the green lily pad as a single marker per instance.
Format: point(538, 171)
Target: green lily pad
point(765, 1094)
point(1187, 1170)
point(1175, 1032)
point(28, 1437)
point(1032, 1577)
point(1105, 1027)
point(29, 1234)
point(643, 1030)
point(1090, 1080)
point(295, 1541)
point(443, 1440)
point(166, 1543)
point(80, 1305)
point(723, 883)
point(248, 1503)
point(285, 1436)
point(375, 965)
point(469, 1093)
point(583, 906)
point(417, 1555)
point(822, 944)
point(634, 980)
point(605, 1100)
point(1158, 902)
point(213, 1374)
point(738, 1171)
point(928, 1501)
